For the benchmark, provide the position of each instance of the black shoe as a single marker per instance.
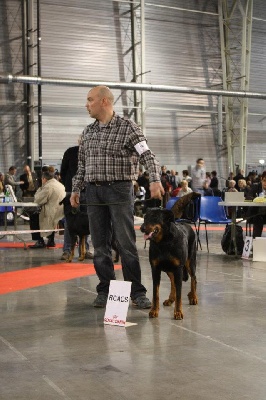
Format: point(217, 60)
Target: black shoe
point(50, 243)
point(38, 245)
point(100, 301)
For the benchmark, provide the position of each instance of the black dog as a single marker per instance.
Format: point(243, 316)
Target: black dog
point(78, 227)
point(172, 250)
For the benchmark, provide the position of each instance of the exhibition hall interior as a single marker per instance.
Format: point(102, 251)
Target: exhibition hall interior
point(143, 123)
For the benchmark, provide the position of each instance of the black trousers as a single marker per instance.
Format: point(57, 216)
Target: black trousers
point(35, 225)
point(258, 222)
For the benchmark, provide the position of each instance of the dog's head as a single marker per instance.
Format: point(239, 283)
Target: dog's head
point(156, 224)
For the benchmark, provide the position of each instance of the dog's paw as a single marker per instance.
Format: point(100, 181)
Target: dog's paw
point(193, 300)
point(168, 302)
point(81, 258)
point(153, 313)
point(178, 315)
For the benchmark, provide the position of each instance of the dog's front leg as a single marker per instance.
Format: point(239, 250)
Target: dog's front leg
point(178, 277)
point(172, 294)
point(156, 278)
point(73, 245)
point(82, 245)
point(192, 295)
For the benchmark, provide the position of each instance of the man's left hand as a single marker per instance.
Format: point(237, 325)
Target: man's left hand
point(157, 190)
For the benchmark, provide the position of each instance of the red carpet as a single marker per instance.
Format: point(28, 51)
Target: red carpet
point(14, 245)
point(40, 276)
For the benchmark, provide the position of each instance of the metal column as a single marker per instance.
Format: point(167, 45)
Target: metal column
point(235, 19)
point(30, 88)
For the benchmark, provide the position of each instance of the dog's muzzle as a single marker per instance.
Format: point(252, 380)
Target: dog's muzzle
point(148, 236)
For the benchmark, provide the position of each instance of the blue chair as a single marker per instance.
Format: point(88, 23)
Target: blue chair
point(192, 217)
point(171, 202)
point(4, 210)
point(211, 213)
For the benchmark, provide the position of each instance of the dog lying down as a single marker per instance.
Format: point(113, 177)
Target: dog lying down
point(78, 227)
point(172, 250)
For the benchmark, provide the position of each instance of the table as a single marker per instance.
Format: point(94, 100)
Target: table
point(234, 206)
point(15, 205)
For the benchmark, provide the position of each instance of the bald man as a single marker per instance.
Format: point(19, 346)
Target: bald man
point(110, 151)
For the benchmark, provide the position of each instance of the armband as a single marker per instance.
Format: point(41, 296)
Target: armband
point(141, 147)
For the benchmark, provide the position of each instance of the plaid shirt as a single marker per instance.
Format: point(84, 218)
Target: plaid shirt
point(107, 153)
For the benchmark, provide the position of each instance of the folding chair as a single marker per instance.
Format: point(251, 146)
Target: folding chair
point(211, 213)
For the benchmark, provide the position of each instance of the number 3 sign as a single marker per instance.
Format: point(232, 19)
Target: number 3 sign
point(247, 246)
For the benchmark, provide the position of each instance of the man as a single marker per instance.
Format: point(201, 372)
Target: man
point(239, 175)
point(30, 182)
point(109, 154)
point(164, 176)
point(10, 178)
point(48, 196)
point(198, 175)
point(256, 215)
point(207, 191)
point(68, 170)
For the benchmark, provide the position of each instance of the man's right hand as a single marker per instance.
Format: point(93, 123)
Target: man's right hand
point(74, 200)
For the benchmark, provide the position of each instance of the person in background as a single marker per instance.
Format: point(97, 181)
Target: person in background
point(242, 184)
point(257, 215)
point(57, 176)
point(2, 186)
point(68, 170)
point(208, 178)
point(10, 178)
point(232, 186)
point(239, 175)
point(174, 179)
point(110, 151)
point(253, 177)
point(165, 184)
point(185, 189)
point(186, 177)
point(198, 175)
point(30, 182)
point(175, 192)
point(48, 197)
point(214, 184)
point(207, 191)
point(230, 178)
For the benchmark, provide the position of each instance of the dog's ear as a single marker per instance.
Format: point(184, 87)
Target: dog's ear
point(168, 216)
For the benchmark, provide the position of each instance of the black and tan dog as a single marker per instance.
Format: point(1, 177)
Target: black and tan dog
point(172, 250)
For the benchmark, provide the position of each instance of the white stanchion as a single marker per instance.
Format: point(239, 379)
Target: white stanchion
point(2, 233)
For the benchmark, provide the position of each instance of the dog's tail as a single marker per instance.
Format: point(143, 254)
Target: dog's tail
point(185, 274)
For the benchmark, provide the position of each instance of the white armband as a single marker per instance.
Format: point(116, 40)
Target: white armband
point(141, 147)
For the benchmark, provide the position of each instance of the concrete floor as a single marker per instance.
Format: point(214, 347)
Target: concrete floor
point(54, 345)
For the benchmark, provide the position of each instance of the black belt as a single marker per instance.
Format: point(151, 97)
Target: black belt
point(106, 183)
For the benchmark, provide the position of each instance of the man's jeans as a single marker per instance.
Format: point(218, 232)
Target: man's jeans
point(110, 207)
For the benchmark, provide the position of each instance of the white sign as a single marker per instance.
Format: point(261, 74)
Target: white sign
point(247, 247)
point(117, 303)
